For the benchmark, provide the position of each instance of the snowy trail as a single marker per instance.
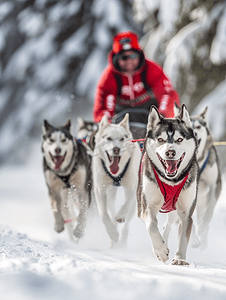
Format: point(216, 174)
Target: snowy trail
point(37, 263)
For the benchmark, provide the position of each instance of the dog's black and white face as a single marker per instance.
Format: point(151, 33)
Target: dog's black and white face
point(202, 132)
point(57, 146)
point(113, 143)
point(85, 128)
point(170, 143)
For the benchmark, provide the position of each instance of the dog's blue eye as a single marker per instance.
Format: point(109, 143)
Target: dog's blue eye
point(63, 141)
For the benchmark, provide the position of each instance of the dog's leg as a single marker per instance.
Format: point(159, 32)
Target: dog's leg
point(56, 207)
point(129, 202)
point(101, 198)
point(67, 212)
point(126, 213)
point(125, 229)
point(184, 231)
point(111, 198)
point(206, 217)
point(172, 217)
point(159, 247)
point(79, 230)
point(195, 242)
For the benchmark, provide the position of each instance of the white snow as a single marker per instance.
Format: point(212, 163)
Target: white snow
point(217, 52)
point(216, 107)
point(5, 9)
point(31, 23)
point(76, 44)
point(37, 263)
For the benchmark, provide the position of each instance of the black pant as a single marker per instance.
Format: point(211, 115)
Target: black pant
point(138, 117)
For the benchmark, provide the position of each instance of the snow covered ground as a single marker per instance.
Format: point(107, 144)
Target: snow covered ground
point(37, 263)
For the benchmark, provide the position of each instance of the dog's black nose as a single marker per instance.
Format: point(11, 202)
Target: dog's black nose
point(116, 150)
point(57, 150)
point(170, 153)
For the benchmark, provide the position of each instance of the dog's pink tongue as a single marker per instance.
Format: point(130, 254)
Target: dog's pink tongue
point(58, 161)
point(171, 166)
point(114, 166)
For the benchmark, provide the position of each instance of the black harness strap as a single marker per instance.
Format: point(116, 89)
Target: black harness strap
point(116, 180)
point(65, 179)
point(119, 83)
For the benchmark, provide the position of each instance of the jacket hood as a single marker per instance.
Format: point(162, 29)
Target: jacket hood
point(126, 40)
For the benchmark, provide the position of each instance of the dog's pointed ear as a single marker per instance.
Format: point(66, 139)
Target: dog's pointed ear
point(184, 117)
point(125, 122)
point(46, 126)
point(67, 126)
point(154, 118)
point(104, 123)
point(177, 110)
point(203, 114)
point(81, 122)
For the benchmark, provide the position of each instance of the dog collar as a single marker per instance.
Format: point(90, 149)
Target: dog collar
point(170, 193)
point(116, 180)
point(204, 164)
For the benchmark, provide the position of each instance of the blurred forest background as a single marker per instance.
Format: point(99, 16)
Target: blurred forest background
point(53, 52)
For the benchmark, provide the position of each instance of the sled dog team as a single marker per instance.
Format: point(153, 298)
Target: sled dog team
point(177, 173)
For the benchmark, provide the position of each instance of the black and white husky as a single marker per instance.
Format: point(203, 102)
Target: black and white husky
point(210, 179)
point(168, 179)
point(67, 175)
point(115, 163)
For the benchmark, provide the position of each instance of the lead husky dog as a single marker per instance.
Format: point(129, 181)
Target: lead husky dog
point(168, 179)
point(115, 163)
point(67, 175)
point(210, 179)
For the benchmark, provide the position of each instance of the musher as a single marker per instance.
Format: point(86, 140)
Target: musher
point(131, 83)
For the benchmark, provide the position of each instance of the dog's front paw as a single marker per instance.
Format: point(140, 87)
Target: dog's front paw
point(78, 232)
point(120, 219)
point(59, 226)
point(179, 262)
point(162, 253)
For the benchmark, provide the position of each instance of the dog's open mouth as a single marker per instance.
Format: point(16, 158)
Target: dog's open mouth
point(58, 160)
point(114, 160)
point(171, 165)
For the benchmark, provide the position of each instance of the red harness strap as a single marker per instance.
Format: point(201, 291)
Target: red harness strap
point(170, 193)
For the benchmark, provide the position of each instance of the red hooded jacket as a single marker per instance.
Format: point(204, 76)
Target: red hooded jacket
point(134, 91)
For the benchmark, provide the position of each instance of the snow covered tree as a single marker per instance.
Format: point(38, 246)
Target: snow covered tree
point(188, 39)
point(52, 53)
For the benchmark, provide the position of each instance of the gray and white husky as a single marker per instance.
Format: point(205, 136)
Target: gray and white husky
point(67, 175)
point(210, 179)
point(86, 130)
point(115, 163)
point(168, 180)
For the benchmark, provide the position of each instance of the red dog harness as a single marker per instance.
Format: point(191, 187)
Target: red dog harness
point(170, 193)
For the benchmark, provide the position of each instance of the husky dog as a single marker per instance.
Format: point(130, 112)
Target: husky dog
point(116, 164)
point(87, 130)
point(168, 179)
point(210, 179)
point(67, 175)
